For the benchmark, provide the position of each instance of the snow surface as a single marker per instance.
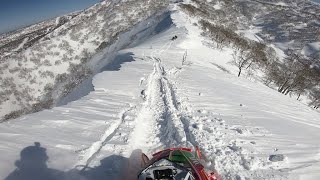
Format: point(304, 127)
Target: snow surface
point(149, 99)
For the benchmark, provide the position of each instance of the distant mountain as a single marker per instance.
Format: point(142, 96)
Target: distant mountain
point(12, 40)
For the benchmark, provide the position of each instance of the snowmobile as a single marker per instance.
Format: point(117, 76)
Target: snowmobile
point(174, 164)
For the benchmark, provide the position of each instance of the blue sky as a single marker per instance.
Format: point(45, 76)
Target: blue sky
point(19, 13)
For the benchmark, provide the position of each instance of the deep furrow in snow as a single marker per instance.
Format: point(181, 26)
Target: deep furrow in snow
point(177, 125)
point(181, 121)
point(144, 135)
point(171, 126)
point(160, 113)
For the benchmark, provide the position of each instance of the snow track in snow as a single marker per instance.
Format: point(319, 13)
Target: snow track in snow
point(160, 111)
point(91, 152)
point(172, 131)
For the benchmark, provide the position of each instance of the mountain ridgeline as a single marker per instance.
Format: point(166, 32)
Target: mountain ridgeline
point(45, 62)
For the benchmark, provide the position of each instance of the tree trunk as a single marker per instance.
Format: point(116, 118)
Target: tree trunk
point(287, 92)
point(239, 72)
point(249, 64)
point(282, 86)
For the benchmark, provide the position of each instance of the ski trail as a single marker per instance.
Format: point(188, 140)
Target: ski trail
point(91, 152)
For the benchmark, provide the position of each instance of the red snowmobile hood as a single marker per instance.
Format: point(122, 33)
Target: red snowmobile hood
point(185, 156)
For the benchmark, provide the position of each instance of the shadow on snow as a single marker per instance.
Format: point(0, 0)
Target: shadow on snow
point(32, 165)
point(165, 24)
point(86, 86)
point(115, 65)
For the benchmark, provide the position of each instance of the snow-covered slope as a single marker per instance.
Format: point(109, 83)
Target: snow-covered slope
point(160, 93)
point(36, 77)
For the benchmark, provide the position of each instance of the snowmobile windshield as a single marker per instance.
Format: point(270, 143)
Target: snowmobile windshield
point(180, 156)
point(181, 161)
point(190, 161)
point(183, 157)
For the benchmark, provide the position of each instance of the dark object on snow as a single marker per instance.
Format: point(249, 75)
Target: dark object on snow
point(174, 38)
point(276, 157)
point(143, 94)
point(33, 165)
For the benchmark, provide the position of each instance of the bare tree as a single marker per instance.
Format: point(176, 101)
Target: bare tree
point(243, 59)
point(315, 97)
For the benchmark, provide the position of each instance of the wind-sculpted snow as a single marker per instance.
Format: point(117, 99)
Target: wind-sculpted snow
point(38, 76)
